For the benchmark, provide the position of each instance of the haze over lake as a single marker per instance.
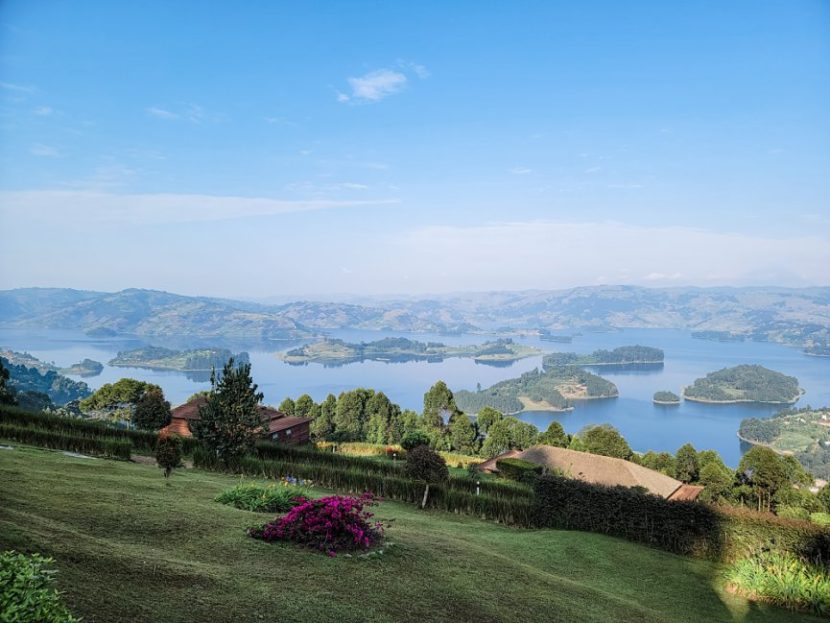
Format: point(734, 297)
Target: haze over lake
point(645, 425)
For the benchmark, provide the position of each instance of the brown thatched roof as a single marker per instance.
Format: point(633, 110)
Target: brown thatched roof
point(602, 470)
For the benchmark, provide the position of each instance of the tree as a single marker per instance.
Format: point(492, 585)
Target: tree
point(152, 411)
point(507, 434)
point(662, 462)
point(555, 436)
point(765, 473)
point(118, 400)
point(303, 406)
point(230, 421)
point(427, 466)
point(686, 464)
point(323, 425)
point(380, 414)
point(824, 497)
point(717, 481)
point(6, 392)
point(605, 440)
point(350, 415)
point(168, 453)
point(463, 434)
point(287, 407)
point(487, 417)
point(413, 439)
point(438, 401)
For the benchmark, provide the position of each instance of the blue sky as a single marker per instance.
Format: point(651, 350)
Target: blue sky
point(261, 149)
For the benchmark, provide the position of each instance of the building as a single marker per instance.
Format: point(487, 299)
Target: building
point(281, 428)
point(600, 470)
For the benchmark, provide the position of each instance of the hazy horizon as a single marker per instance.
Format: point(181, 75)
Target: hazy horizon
point(358, 149)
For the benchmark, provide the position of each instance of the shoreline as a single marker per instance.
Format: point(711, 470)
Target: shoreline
point(741, 401)
point(668, 403)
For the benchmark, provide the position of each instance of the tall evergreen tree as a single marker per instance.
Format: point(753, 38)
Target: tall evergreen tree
point(287, 406)
point(303, 406)
point(350, 415)
point(463, 434)
point(230, 421)
point(555, 436)
point(6, 392)
point(152, 411)
point(687, 467)
point(323, 425)
point(438, 402)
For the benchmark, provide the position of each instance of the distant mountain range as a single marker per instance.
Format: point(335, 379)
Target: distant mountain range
point(794, 316)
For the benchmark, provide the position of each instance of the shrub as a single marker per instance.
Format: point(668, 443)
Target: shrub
point(273, 498)
point(518, 469)
point(169, 453)
point(26, 594)
point(57, 440)
point(821, 519)
point(783, 579)
point(328, 524)
point(793, 512)
point(413, 439)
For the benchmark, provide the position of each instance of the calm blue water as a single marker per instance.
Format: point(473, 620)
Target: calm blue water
point(645, 425)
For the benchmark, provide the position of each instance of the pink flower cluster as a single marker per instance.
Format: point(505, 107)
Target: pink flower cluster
point(327, 524)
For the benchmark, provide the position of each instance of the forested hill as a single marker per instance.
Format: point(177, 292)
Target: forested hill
point(622, 356)
point(745, 383)
point(794, 316)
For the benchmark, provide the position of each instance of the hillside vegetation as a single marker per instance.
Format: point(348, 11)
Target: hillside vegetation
point(174, 554)
point(195, 360)
point(745, 383)
point(622, 356)
point(551, 389)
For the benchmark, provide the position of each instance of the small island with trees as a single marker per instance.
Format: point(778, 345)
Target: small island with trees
point(744, 383)
point(399, 349)
point(624, 356)
point(553, 389)
point(159, 358)
point(85, 368)
point(666, 398)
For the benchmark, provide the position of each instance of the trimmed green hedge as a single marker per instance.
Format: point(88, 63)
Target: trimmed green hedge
point(518, 469)
point(687, 528)
point(141, 441)
point(117, 448)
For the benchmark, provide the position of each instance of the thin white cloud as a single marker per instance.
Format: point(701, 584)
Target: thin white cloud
point(374, 86)
point(44, 151)
point(521, 171)
point(43, 111)
point(416, 68)
point(17, 88)
point(88, 207)
point(161, 113)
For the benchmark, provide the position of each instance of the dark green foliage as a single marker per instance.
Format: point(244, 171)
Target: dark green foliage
point(555, 436)
point(230, 421)
point(112, 395)
point(200, 359)
point(6, 393)
point(104, 446)
point(487, 417)
point(350, 416)
point(662, 462)
point(463, 434)
point(169, 453)
point(749, 383)
point(509, 434)
point(414, 439)
point(687, 528)
point(666, 396)
point(287, 406)
point(687, 468)
point(26, 590)
point(323, 425)
point(303, 406)
point(717, 481)
point(425, 465)
point(152, 411)
point(624, 355)
point(606, 440)
point(518, 469)
point(765, 472)
point(33, 401)
point(824, 497)
point(763, 430)
point(438, 402)
point(273, 498)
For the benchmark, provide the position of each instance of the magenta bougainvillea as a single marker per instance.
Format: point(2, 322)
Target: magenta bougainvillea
point(331, 524)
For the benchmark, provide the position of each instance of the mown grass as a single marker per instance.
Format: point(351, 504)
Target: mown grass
point(131, 548)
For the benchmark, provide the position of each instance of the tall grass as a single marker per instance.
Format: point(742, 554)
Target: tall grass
point(58, 440)
point(783, 579)
point(274, 498)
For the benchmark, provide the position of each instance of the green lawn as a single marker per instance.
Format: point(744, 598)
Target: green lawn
point(131, 548)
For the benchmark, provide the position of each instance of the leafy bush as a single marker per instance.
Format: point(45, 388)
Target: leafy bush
point(518, 469)
point(783, 579)
point(26, 595)
point(415, 438)
point(793, 512)
point(328, 524)
point(106, 446)
point(821, 519)
point(169, 453)
point(426, 465)
point(273, 498)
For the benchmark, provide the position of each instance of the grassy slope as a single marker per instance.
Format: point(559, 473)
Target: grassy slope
point(128, 547)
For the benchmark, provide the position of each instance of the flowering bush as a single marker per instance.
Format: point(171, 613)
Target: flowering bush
point(328, 524)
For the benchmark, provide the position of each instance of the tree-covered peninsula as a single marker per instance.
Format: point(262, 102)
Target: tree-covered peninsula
point(622, 356)
point(553, 389)
point(745, 383)
point(398, 349)
point(666, 398)
point(158, 358)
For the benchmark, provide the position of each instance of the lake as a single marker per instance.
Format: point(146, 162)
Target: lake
point(645, 425)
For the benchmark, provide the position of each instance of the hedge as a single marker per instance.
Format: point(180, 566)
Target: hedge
point(518, 469)
point(113, 447)
point(681, 527)
point(140, 440)
point(514, 509)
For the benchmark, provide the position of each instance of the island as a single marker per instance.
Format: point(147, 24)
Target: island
point(624, 356)
point(36, 377)
point(802, 433)
point(399, 349)
point(666, 398)
point(744, 383)
point(159, 358)
point(85, 368)
point(100, 332)
point(552, 389)
point(547, 336)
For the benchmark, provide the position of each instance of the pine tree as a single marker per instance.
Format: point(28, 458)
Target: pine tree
point(323, 425)
point(152, 411)
point(230, 421)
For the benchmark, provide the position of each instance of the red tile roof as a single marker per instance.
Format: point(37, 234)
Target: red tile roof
point(190, 410)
